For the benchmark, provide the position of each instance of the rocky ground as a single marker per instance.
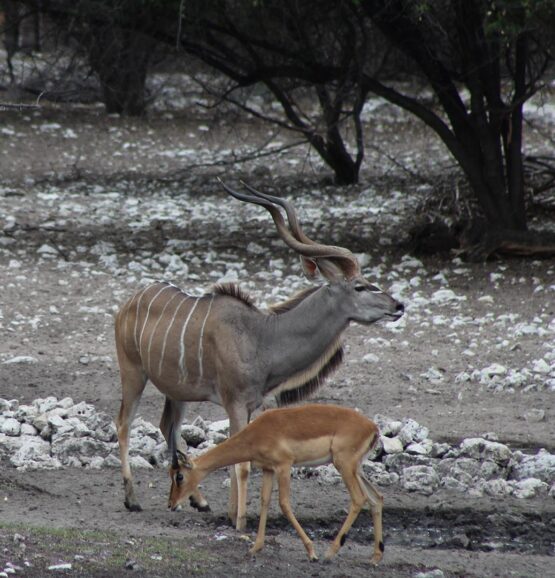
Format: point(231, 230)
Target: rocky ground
point(93, 207)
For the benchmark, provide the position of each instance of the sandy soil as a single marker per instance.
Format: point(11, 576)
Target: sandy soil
point(461, 535)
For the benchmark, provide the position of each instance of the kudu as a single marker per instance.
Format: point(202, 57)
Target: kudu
point(310, 435)
point(221, 348)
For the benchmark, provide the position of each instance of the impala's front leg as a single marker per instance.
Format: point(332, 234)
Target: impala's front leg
point(284, 482)
point(265, 496)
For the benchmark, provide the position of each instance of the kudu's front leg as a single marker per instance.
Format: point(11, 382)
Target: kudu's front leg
point(133, 381)
point(170, 425)
point(237, 505)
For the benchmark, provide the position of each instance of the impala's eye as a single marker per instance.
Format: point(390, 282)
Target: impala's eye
point(178, 478)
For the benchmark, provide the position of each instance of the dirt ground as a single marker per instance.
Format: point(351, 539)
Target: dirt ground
point(77, 516)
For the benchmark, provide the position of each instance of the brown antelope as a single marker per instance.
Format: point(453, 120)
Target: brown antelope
point(310, 435)
point(221, 348)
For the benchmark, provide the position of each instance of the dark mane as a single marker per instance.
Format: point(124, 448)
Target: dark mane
point(308, 388)
point(233, 290)
point(280, 308)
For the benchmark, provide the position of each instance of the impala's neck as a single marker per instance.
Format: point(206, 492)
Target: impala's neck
point(302, 339)
point(232, 451)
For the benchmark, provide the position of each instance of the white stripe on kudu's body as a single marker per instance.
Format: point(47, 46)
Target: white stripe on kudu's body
point(182, 368)
point(147, 315)
point(153, 332)
point(201, 338)
point(164, 342)
point(222, 348)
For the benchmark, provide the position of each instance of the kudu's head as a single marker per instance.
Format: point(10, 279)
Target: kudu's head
point(363, 302)
point(183, 477)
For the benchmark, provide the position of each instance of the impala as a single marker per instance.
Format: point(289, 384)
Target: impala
point(278, 439)
point(221, 348)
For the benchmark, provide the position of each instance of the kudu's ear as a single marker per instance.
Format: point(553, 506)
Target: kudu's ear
point(310, 268)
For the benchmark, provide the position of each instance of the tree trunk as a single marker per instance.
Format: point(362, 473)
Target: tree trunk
point(121, 59)
point(490, 158)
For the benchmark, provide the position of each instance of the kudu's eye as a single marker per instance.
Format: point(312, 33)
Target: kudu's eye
point(360, 288)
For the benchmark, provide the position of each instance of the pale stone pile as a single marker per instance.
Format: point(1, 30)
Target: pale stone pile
point(52, 433)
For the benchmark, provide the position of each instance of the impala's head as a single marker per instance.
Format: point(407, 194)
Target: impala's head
point(183, 479)
point(364, 302)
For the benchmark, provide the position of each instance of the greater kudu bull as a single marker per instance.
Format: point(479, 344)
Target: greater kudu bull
point(221, 348)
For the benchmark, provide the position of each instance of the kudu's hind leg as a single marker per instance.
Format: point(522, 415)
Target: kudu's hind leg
point(172, 418)
point(133, 381)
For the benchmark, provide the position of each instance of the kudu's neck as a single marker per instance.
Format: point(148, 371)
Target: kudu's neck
point(298, 338)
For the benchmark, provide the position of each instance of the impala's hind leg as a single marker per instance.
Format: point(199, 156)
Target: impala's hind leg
point(376, 502)
point(170, 424)
point(133, 381)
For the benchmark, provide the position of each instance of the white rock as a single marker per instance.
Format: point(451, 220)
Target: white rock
point(10, 427)
point(534, 415)
point(422, 448)
point(139, 462)
point(541, 465)
point(391, 445)
point(492, 370)
point(328, 475)
point(21, 359)
point(541, 366)
point(388, 426)
point(221, 426)
point(59, 567)
point(28, 430)
point(443, 296)
point(34, 453)
point(498, 487)
point(193, 434)
point(421, 479)
point(47, 250)
point(482, 449)
point(412, 431)
point(529, 488)
point(437, 573)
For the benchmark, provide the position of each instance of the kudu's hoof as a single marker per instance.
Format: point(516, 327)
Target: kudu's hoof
point(200, 507)
point(133, 507)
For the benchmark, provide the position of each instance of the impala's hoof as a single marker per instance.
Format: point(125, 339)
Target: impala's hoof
point(376, 559)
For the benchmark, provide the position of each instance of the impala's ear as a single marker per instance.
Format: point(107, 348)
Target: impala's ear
point(184, 460)
point(310, 268)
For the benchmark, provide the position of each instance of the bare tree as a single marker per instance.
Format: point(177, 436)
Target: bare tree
point(302, 53)
point(497, 53)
